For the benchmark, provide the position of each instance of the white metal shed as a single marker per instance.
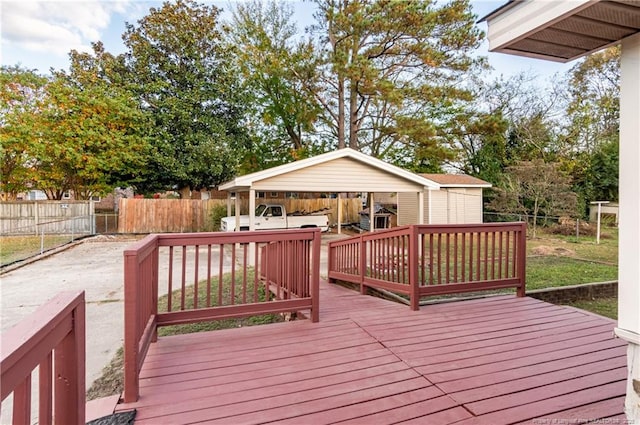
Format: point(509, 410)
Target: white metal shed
point(459, 200)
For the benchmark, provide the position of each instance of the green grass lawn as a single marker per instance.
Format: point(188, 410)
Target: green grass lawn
point(226, 300)
point(584, 247)
point(16, 248)
point(551, 271)
point(607, 307)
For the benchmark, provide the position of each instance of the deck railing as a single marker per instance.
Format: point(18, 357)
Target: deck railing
point(423, 260)
point(53, 338)
point(210, 276)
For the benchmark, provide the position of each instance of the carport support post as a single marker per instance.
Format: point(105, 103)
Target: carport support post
point(252, 209)
point(421, 207)
point(629, 242)
point(339, 199)
point(237, 211)
point(372, 213)
point(228, 204)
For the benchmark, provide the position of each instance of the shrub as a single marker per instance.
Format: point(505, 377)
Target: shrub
point(215, 215)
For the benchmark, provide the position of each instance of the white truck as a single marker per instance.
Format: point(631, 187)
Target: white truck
point(270, 217)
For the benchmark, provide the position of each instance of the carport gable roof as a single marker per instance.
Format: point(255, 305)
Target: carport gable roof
point(248, 181)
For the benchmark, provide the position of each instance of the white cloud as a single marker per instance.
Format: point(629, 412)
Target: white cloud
point(56, 26)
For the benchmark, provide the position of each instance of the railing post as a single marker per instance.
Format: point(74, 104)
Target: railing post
point(330, 262)
point(413, 268)
point(69, 361)
point(363, 264)
point(130, 328)
point(522, 260)
point(154, 289)
point(315, 278)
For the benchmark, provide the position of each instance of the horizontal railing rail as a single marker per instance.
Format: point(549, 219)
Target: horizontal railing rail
point(424, 260)
point(208, 276)
point(53, 339)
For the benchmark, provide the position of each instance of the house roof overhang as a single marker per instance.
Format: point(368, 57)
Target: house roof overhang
point(561, 31)
point(246, 182)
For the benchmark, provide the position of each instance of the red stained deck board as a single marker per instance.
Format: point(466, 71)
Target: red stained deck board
point(175, 366)
point(401, 321)
point(472, 316)
point(507, 375)
point(430, 365)
point(544, 392)
point(276, 367)
point(537, 380)
point(359, 365)
point(227, 342)
point(603, 409)
point(466, 344)
point(279, 414)
point(462, 331)
point(292, 347)
point(288, 393)
point(548, 407)
point(449, 416)
point(273, 408)
point(431, 399)
point(419, 409)
point(483, 369)
point(220, 386)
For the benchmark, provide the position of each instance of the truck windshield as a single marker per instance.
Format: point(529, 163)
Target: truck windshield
point(259, 209)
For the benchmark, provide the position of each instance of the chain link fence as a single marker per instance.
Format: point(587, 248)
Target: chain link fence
point(20, 242)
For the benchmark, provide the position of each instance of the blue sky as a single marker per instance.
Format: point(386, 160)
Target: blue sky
point(39, 34)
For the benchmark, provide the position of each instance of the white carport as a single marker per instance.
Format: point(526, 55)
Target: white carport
point(565, 30)
point(340, 171)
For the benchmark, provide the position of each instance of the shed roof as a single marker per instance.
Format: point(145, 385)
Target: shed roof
point(456, 180)
point(263, 177)
point(561, 30)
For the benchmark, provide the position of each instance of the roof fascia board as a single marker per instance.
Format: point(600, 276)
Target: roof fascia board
point(468, 185)
point(248, 180)
point(527, 17)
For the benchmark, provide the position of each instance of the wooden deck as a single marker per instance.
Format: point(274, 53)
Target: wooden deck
point(498, 360)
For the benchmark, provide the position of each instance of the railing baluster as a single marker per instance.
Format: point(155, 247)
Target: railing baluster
point(233, 274)
point(195, 277)
point(220, 273)
point(256, 272)
point(209, 275)
point(507, 252)
point(170, 280)
point(493, 255)
point(478, 255)
point(22, 402)
point(183, 280)
point(45, 392)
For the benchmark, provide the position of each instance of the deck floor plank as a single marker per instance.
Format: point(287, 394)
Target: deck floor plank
point(494, 360)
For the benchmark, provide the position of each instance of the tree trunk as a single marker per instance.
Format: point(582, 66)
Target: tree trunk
point(341, 117)
point(185, 192)
point(353, 116)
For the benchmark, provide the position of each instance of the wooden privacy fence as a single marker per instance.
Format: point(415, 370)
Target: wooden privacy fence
point(423, 260)
point(210, 276)
point(50, 217)
point(195, 215)
point(52, 338)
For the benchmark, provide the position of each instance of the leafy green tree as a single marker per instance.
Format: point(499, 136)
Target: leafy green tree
point(394, 73)
point(535, 188)
point(183, 73)
point(89, 128)
point(21, 92)
point(594, 100)
point(274, 64)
